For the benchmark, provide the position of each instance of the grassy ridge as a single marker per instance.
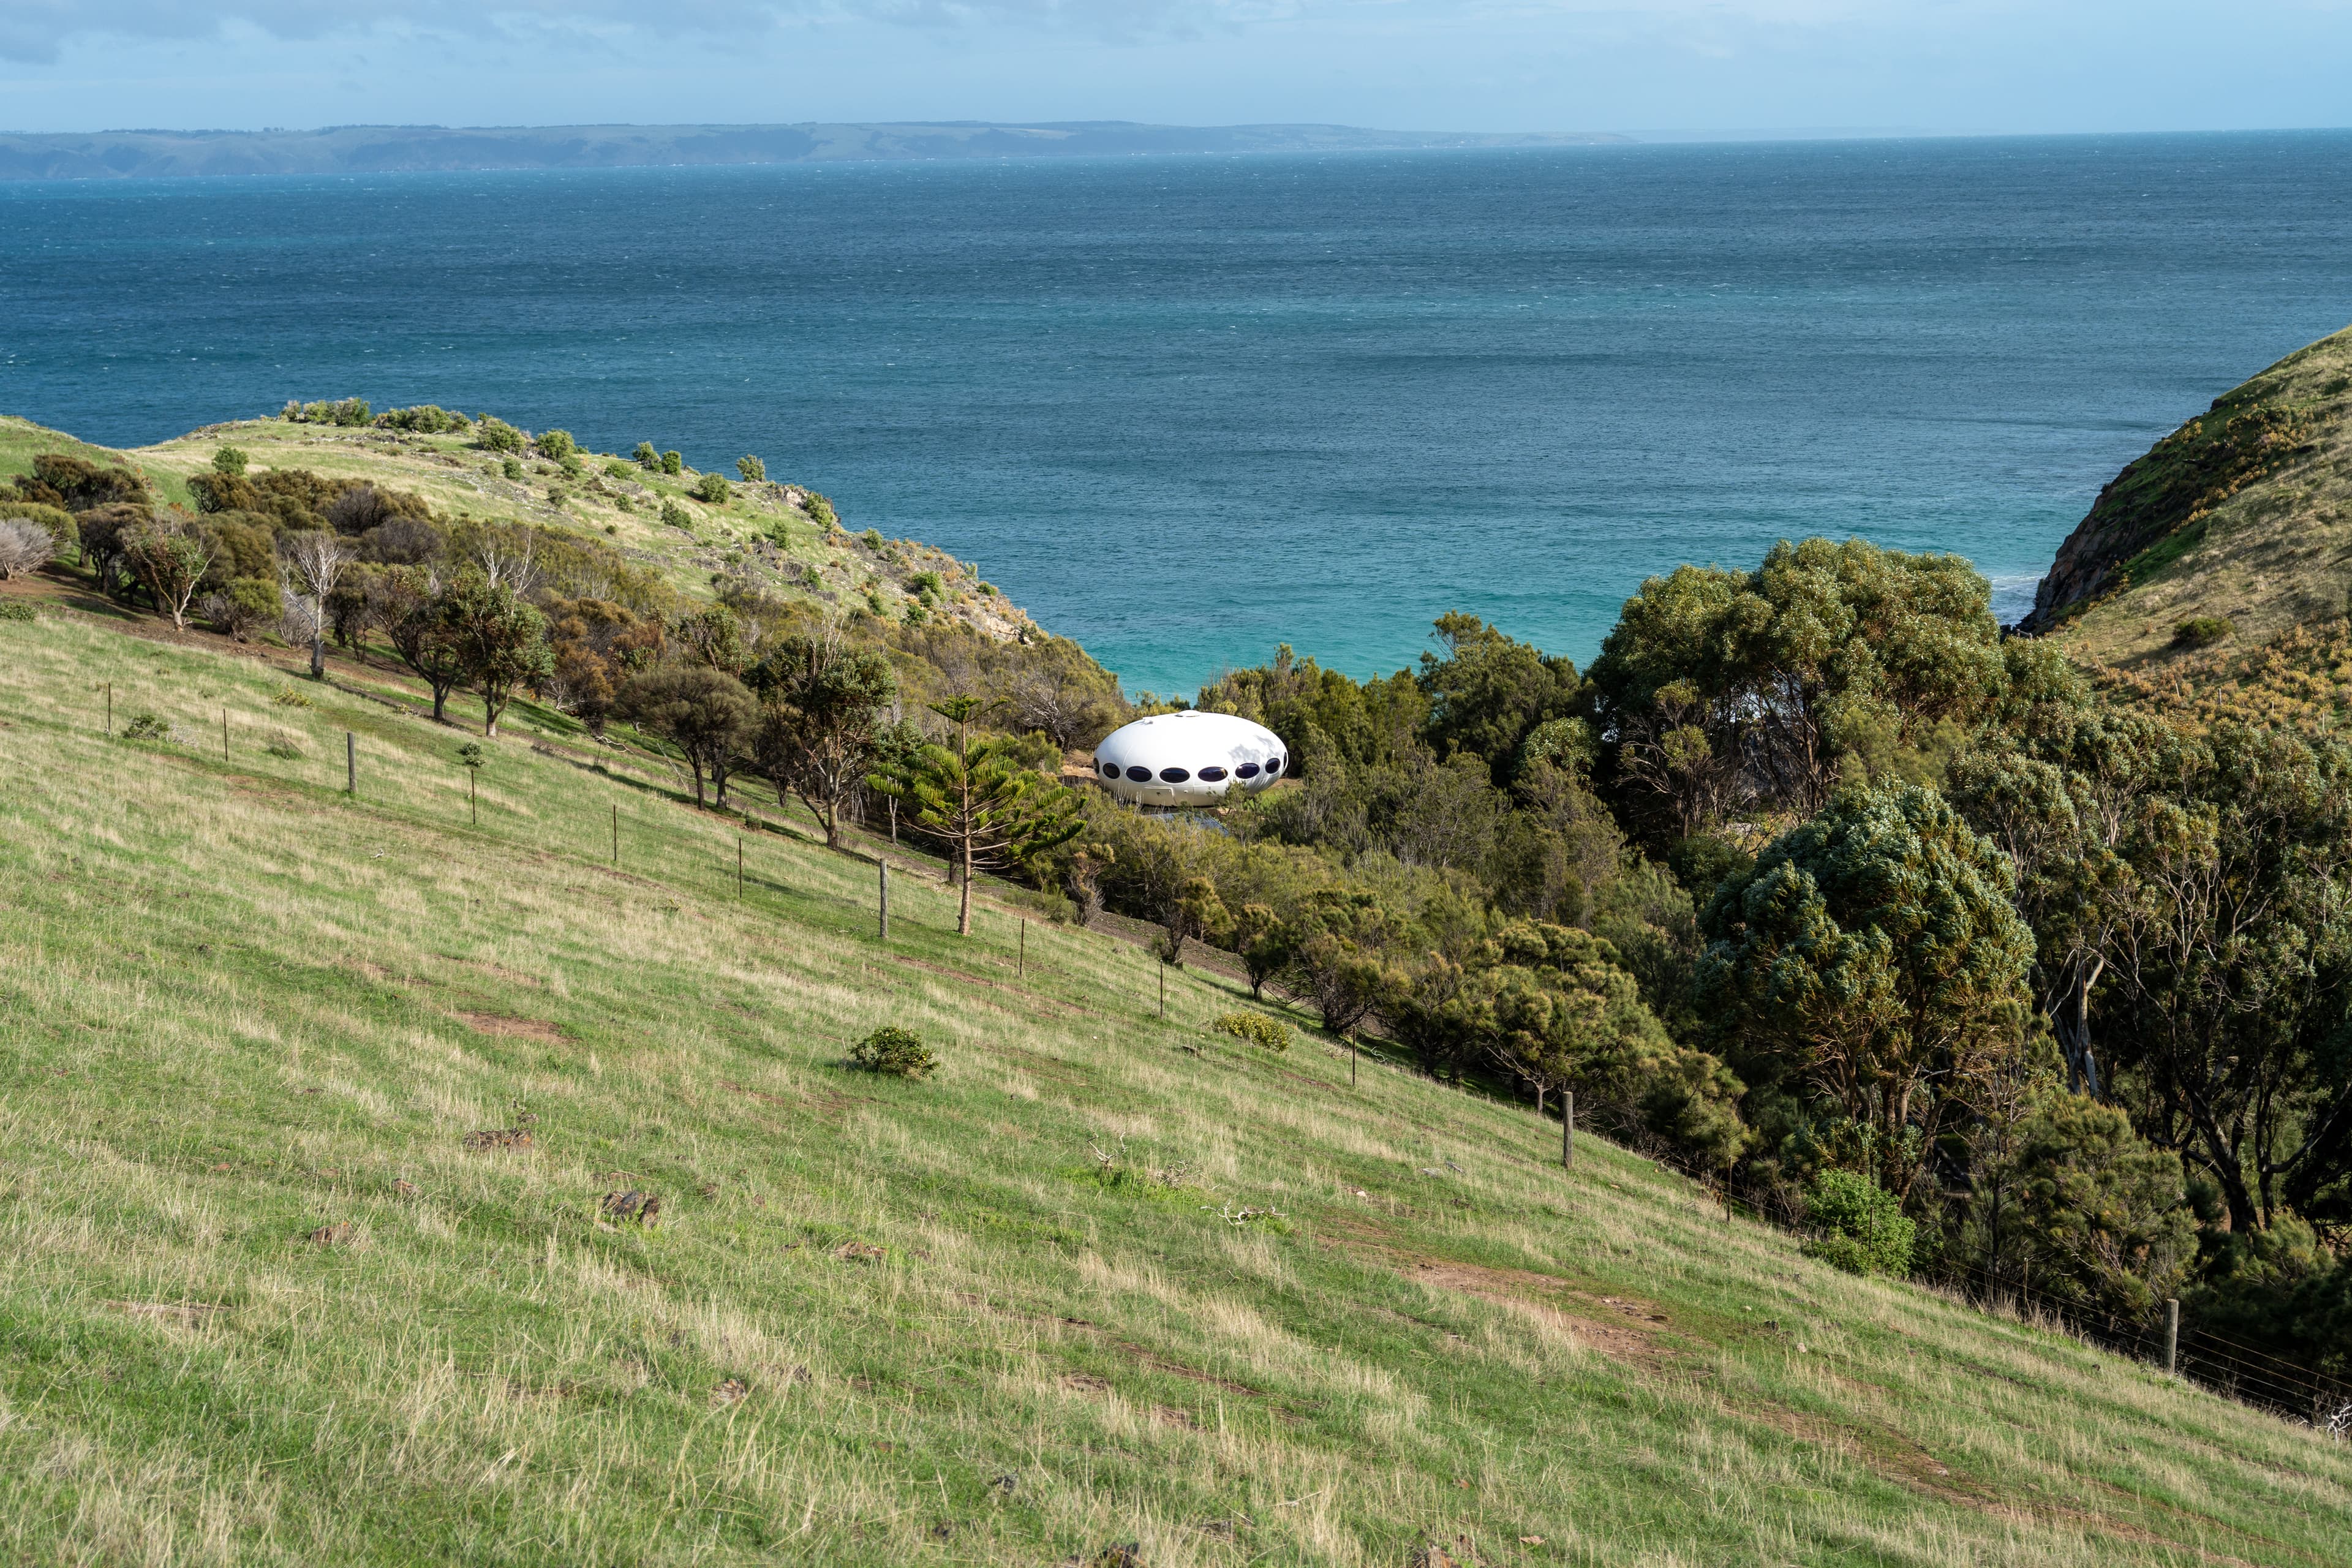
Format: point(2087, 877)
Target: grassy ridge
point(240, 1006)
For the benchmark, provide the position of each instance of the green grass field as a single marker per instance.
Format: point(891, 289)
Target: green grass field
point(877, 1322)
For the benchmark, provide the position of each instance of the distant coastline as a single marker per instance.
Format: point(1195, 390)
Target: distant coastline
point(385, 149)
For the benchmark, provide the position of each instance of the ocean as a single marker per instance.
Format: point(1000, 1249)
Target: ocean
point(1186, 409)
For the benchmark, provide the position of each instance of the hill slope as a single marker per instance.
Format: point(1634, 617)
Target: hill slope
point(2243, 513)
point(1014, 1314)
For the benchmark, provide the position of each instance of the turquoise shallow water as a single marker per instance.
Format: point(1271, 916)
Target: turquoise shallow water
point(1186, 409)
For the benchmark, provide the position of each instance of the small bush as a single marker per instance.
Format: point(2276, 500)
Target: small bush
point(147, 727)
point(926, 586)
point(288, 697)
point(895, 1053)
point(1863, 1227)
point(556, 445)
point(16, 612)
point(425, 419)
point(647, 458)
point(988, 590)
point(1254, 1029)
point(821, 510)
point(712, 488)
point(511, 468)
point(754, 471)
point(872, 538)
point(246, 604)
point(675, 515)
point(286, 747)
point(2202, 631)
point(618, 469)
point(231, 461)
point(571, 465)
point(672, 463)
point(495, 434)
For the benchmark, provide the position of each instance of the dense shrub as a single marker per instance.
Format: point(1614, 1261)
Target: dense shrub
point(675, 515)
point(76, 485)
point(671, 463)
point(1862, 1227)
point(1255, 1029)
point(147, 727)
point(23, 544)
point(754, 471)
point(556, 445)
point(231, 461)
point(511, 468)
point(12, 610)
point(894, 1053)
point(2202, 631)
point(647, 458)
point(344, 411)
point(495, 434)
point(243, 607)
point(820, 510)
point(712, 488)
point(425, 419)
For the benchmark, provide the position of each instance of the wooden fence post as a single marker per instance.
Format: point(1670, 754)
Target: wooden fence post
point(109, 708)
point(351, 764)
point(738, 867)
point(1567, 1129)
point(1021, 963)
point(2171, 1335)
point(616, 833)
point(224, 734)
point(882, 871)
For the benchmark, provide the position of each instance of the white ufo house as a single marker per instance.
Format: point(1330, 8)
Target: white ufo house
point(1188, 759)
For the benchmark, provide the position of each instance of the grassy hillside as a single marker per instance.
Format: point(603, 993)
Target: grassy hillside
point(763, 531)
point(2243, 514)
point(261, 1303)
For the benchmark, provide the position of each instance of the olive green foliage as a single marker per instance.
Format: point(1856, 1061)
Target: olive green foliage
point(2202, 631)
point(425, 419)
point(77, 485)
point(1872, 958)
point(821, 511)
point(823, 705)
point(1726, 691)
point(1860, 1226)
point(675, 515)
point(499, 640)
point(671, 463)
point(231, 461)
point(2066, 1197)
point(511, 468)
point(243, 605)
point(495, 434)
point(894, 1052)
point(350, 412)
point(147, 727)
point(706, 713)
point(754, 471)
point(645, 457)
point(556, 445)
point(712, 488)
point(1252, 1028)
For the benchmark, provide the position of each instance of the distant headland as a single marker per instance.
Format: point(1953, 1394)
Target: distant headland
point(382, 149)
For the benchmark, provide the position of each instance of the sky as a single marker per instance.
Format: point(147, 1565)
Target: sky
point(1715, 67)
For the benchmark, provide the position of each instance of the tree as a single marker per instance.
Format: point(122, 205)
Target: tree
point(309, 561)
point(645, 457)
point(408, 607)
point(1265, 945)
point(1830, 661)
point(1872, 954)
point(706, 713)
point(1087, 863)
point(1490, 692)
point(713, 488)
point(231, 461)
point(990, 809)
point(1196, 914)
point(171, 558)
point(556, 445)
point(714, 635)
point(754, 471)
point(500, 641)
point(671, 463)
point(23, 544)
point(1337, 955)
point(825, 703)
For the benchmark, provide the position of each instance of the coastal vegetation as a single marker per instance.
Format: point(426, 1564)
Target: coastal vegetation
point(1983, 967)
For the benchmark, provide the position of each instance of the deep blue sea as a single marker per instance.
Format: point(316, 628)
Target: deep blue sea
point(1186, 409)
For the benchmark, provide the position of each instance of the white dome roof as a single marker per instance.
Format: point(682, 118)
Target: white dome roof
point(1191, 758)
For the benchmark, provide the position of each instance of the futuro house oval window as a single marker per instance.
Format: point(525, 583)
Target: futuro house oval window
point(1246, 770)
point(1141, 775)
point(1273, 766)
point(1108, 769)
point(1173, 776)
point(1213, 775)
